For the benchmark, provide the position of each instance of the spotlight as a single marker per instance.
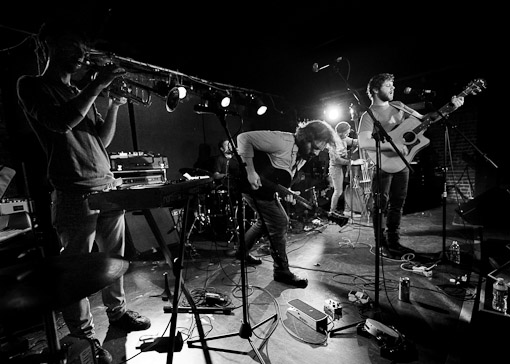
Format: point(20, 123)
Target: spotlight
point(224, 98)
point(182, 92)
point(216, 98)
point(260, 107)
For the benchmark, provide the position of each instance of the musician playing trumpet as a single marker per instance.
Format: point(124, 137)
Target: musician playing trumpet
point(74, 136)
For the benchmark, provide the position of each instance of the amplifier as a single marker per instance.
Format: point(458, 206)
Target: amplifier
point(123, 161)
point(10, 206)
point(314, 318)
point(141, 177)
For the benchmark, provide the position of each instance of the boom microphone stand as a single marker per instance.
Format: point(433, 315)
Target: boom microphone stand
point(246, 329)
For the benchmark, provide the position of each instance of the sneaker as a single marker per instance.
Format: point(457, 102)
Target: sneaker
point(290, 279)
point(132, 321)
point(102, 355)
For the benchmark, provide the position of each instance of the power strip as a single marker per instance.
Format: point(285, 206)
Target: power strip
point(305, 313)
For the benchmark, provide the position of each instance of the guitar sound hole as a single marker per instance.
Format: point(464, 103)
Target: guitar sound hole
point(409, 137)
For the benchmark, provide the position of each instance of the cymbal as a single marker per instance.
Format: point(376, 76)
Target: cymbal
point(55, 282)
point(193, 172)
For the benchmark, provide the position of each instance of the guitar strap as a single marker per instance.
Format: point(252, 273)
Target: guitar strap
point(407, 110)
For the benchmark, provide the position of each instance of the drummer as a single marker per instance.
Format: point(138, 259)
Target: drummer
point(226, 167)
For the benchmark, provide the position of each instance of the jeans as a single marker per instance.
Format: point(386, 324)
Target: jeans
point(336, 173)
point(272, 220)
point(78, 227)
point(392, 198)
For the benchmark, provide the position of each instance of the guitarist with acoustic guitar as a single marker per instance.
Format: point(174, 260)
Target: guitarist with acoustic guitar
point(393, 115)
point(272, 158)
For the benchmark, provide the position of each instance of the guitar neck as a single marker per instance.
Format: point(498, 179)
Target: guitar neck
point(285, 191)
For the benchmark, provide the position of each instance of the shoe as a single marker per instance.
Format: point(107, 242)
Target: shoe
point(132, 321)
point(102, 355)
point(250, 259)
point(291, 279)
point(400, 249)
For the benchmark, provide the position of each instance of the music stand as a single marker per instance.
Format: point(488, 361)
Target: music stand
point(246, 330)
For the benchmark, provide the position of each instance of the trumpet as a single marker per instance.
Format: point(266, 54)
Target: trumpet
point(140, 81)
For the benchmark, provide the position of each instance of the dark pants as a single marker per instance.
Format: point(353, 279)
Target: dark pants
point(392, 198)
point(272, 220)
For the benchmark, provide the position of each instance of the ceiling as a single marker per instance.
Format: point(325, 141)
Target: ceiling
point(270, 46)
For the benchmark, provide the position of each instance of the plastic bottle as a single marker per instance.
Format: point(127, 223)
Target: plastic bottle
point(499, 295)
point(455, 252)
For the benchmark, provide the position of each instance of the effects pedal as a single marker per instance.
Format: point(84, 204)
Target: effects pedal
point(333, 309)
point(305, 313)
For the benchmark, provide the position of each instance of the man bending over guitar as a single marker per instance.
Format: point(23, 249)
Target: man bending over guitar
point(272, 158)
point(394, 173)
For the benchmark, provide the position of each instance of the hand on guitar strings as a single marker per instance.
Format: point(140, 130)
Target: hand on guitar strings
point(290, 198)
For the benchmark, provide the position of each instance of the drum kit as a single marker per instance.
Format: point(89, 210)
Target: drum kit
point(40, 286)
point(217, 211)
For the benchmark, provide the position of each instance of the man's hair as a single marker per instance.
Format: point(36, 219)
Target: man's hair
point(316, 130)
point(376, 83)
point(55, 28)
point(342, 127)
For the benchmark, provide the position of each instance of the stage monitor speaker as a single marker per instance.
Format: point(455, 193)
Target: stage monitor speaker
point(140, 236)
point(489, 209)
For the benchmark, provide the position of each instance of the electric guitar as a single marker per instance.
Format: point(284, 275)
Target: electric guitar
point(410, 133)
point(275, 180)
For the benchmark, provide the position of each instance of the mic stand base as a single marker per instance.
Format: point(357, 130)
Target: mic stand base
point(245, 332)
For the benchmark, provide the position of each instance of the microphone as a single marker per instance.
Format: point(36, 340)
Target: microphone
point(419, 92)
point(316, 68)
point(203, 109)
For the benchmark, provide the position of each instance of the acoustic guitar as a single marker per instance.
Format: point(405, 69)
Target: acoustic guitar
point(410, 132)
point(275, 180)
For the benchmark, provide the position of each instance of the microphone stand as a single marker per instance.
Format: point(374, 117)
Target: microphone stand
point(246, 329)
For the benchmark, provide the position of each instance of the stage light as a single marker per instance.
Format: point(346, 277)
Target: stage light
point(183, 92)
point(333, 112)
point(260, 107)
point(224, 97)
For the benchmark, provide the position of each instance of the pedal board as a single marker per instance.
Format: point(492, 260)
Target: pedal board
point(305, 313)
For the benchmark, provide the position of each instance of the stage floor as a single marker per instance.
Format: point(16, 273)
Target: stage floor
point(435, 326)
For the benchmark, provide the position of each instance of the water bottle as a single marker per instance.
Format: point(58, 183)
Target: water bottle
point(499, 295)
point(455, 252)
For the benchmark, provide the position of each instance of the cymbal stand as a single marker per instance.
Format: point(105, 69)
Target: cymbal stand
point(246, 330)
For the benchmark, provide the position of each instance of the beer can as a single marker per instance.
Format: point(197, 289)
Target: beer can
point(404, 289)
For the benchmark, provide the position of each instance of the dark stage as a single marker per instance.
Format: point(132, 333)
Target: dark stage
point(443, 322)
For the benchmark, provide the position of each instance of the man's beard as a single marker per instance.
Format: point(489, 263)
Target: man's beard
point(305, 151)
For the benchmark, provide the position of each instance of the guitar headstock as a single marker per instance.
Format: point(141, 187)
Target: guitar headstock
point(474, 87)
